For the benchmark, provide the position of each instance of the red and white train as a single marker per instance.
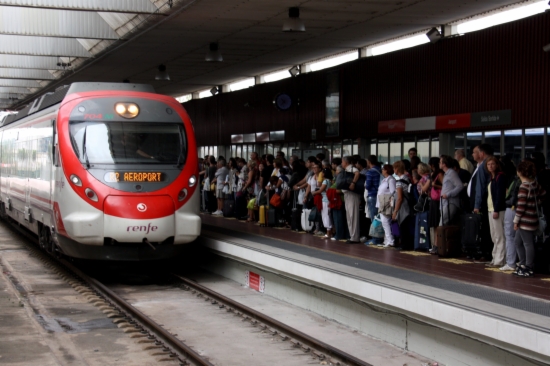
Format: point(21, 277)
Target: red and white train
point(102, 171)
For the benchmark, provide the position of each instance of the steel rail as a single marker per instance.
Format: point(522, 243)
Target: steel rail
point(277, 325)
point(170, 340)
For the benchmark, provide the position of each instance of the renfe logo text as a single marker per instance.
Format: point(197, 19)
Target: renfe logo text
point(145, 229)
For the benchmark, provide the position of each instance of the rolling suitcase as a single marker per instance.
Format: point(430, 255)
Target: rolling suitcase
point(262, 216)
point(296, 216)
point(272, 219)
point(471, 233)
point(306, 224)
point(422, 232)
point(447, 239)
point(228, 207)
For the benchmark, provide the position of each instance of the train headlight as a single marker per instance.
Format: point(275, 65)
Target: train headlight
point(91, 194)
point(127, 110)
point(76, 181)
point(182, 194)
point(192, 181)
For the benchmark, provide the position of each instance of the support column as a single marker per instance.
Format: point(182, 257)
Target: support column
point(447, 144)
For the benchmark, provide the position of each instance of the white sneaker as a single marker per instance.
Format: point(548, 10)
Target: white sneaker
point(217, 213)
point(506, 268)
point(388, 245)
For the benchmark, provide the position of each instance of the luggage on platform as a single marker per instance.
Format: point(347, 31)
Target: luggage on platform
point(542, 255)
point(272, 217)
point(228, 207)
point(447, 238)
point(306, 224)
point(471, 224)
point(262, 212)
point(296, 216)
point(422, 231)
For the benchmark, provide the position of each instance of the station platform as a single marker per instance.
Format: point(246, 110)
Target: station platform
point(412, 299)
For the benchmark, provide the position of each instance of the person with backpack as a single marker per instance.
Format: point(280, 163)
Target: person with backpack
point(496, 207)
point(530, 196)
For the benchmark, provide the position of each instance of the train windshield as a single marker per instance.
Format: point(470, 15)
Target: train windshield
point(129, 143)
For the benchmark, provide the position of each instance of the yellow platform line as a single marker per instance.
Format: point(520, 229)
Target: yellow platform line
point(416, 254)
point(455, 261)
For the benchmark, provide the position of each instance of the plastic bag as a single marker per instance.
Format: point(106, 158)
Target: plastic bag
point(376, 229)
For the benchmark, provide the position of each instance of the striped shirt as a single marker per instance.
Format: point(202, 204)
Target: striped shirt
point(526, 210)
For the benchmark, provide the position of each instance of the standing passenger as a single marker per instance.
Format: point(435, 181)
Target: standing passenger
point(496, 208)
point(386, 190)
point(526, 221)
point(352, 201)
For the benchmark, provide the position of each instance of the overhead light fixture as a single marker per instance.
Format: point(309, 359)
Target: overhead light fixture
point(215, 90)
point(434, 35)
point(294, 71)
point(546, 48)
point(214, 54)
point(162, 74)
point(293, 23)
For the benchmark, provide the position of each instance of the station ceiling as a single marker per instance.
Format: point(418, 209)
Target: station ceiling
point(110, 41)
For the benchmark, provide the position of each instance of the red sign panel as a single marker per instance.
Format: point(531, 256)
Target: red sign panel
point(255, 281)
point(452, 121)
point(397, 125)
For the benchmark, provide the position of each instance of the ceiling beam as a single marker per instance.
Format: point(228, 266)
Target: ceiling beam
point(20, 83)
point(110, 6)
point(25, 74)
point(30, 62)
point(10, 90)
point(43, 46)
point(54, 23)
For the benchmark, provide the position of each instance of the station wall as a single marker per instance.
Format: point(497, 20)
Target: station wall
point(499, 68)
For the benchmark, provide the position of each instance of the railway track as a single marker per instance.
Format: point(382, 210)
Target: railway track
point(167, 346)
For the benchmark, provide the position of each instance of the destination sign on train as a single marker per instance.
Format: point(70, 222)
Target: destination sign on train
point(139, 177)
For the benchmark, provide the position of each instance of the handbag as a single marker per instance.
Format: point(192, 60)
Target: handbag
point(422, 204)
point(435, 194)
point(376, 229)
point(275, 200)
point(395, 228)
point(206, 186)
point(314, 215)
point(542, 219)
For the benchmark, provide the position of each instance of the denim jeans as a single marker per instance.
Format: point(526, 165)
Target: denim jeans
point(373, 211)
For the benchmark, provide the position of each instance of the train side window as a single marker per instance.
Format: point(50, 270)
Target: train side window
point(55, 148)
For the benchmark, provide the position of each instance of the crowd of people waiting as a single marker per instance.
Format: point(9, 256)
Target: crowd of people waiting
point(351, 193)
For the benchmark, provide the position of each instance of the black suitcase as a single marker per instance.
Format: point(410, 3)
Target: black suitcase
point(296, 216)
point(228, 207)
point(272, 217)
point(542, 256)
point(471, 224)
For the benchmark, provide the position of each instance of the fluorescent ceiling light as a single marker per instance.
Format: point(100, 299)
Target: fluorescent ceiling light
point(503, 17)
point(400, 44)
point(184, 98)
point(205, 93)
point(333, 61)
point(275, 76)
point(242, 84)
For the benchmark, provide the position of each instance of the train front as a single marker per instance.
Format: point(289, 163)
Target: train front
point(128, 187)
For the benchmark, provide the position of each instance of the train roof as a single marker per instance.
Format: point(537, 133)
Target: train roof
point(49, 99)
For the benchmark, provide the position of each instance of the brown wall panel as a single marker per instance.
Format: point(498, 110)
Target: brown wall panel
point(498, 68)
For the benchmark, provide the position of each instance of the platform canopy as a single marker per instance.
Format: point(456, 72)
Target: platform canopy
point(45, 44)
